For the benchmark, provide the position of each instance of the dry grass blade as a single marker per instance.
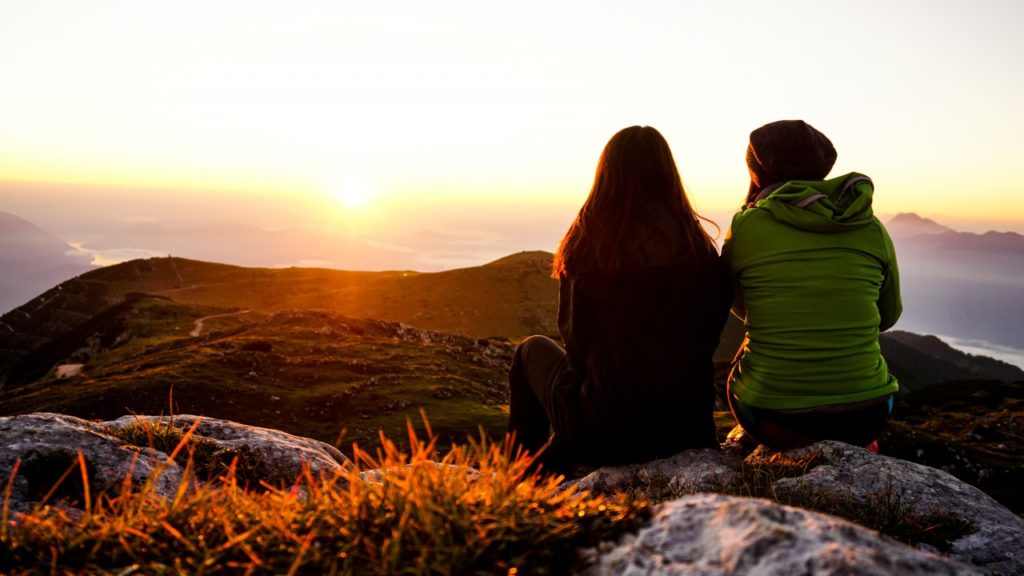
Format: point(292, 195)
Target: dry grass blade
point(476, 509)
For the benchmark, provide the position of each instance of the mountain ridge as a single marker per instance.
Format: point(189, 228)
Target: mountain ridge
point(32, 260)
point(510, 297)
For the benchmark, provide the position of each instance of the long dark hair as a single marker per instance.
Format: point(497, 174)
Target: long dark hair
point(636, 170)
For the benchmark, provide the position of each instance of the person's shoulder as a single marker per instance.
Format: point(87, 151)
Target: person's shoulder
point(748, 217)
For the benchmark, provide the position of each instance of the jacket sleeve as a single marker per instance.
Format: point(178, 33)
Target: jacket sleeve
point(728, 255)
point(572, 321)
point(890, 304)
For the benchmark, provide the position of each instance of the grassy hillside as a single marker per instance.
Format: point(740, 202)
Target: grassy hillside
point(307, 372)
point(511, 297)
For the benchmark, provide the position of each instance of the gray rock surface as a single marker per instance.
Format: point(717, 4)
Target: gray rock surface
point(844, 471)
point(724, 535)
point(280, 455)
point(48, 444)
point(700, 534)
point(688, 472)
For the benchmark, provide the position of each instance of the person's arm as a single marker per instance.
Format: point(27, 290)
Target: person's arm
point(565, 310)
point(573, 324)
point(890, 304)
point(728, 247)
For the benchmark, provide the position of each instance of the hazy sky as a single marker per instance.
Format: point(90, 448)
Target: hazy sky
point(297, 109)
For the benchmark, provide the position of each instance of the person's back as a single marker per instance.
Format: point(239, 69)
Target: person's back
point(817, 281)
point(643, 297)
point(818, 284)
point(644, 339)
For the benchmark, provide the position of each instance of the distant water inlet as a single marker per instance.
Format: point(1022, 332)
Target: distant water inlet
point(1006, 354)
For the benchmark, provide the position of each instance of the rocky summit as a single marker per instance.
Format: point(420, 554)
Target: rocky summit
point(45, 445)
point(975, 529)
point(709, 519)
point(711, 534)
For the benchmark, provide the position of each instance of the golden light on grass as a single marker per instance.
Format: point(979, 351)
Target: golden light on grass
point(476, 509)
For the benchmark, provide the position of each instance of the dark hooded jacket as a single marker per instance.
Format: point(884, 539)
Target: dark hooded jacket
point(640, 345)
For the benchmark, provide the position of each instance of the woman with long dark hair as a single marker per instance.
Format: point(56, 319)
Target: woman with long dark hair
point(643, 297)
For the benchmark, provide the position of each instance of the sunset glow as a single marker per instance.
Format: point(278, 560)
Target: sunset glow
point(352, 194)
point(455, 103)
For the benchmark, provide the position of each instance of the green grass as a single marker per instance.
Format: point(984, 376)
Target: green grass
point(420, 519)
point(207, 459)
point(307, 373)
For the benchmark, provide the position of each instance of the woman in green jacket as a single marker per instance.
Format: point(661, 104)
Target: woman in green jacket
point(817, 281)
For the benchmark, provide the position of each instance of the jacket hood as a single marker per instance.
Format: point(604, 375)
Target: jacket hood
point(835, 205)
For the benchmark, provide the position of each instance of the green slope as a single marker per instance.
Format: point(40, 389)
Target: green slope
point(511, 297)
point(307, 372)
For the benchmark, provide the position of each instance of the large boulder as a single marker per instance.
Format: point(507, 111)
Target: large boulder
point(995, 540)
point(971, 526)
point(719, 535)
point(47, 445)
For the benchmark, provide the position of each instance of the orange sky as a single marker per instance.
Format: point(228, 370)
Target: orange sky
point(417, 105)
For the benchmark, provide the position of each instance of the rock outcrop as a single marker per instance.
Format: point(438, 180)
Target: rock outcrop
point(844, 472)
point(689, 472)
point(717, 535)
point(988, 535)
point(46, 445)
point(276, 453)
point(692, 532)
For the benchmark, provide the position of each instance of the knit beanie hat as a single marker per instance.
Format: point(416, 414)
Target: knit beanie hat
point(787, 150)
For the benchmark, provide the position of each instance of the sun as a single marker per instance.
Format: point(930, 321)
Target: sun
point(352, 194)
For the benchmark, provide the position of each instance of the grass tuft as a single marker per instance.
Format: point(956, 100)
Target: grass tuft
point(207, 458)
point(478, 509)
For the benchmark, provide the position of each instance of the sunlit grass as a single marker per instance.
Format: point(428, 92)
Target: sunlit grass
point(477, 509)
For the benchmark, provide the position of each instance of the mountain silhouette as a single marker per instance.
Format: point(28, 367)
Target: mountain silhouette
point(510, 297)
point(960, 284)
point(910, 224)
point(32, 260)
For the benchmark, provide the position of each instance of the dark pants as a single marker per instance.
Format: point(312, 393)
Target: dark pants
point(783, 430)
point(537, 385)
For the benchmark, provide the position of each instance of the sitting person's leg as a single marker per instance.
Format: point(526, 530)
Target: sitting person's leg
point(537, 366)
point(765, 427)
point(857, 425)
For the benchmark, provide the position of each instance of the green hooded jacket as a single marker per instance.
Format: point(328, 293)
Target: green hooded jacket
point(817, 275)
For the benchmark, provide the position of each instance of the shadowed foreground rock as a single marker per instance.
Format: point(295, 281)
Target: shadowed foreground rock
point(688, 472)
point(278, 454)
point(837, 472)
point(719, 535)
point(47, 444)
point(847, 472)
point(689, 534)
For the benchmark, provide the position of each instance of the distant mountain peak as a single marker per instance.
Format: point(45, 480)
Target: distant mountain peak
point(912, 224)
